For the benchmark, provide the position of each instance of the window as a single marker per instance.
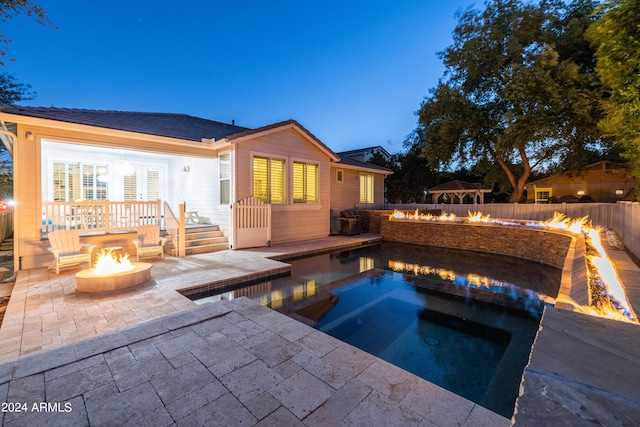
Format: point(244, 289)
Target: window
point(79, 181)
point(339, 176)
point(543, 194)
point(366, 188)
point(305, 182)
point(268, 179)
point(225, 179)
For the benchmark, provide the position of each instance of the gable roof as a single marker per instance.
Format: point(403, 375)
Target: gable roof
point(458, 185)
point(275, 127)
point(348, 161)
point(359, 151)
point(181, 126)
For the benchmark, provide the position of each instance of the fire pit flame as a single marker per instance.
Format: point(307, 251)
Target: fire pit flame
point(107, 264)
point(614, 306)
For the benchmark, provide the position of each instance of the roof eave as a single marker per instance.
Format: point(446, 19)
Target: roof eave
point(68, 126)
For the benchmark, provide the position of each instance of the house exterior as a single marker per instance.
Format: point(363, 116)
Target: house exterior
point(355, 185)
point(366, 154)
point(104, 172)
point(603, 181)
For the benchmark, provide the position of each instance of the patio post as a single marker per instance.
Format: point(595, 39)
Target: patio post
point(182, 232)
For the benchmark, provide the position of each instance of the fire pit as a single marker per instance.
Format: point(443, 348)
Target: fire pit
point(111, 274)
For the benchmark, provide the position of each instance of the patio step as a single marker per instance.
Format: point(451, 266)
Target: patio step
point(201, 239)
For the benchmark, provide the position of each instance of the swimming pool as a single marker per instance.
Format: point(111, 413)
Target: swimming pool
point(463, 320)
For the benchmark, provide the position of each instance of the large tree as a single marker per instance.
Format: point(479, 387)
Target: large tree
point(11, 91)
point(617, 38)
point(518, 91)
point(9, 8)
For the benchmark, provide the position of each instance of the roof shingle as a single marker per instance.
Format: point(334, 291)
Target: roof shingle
point(181, 126)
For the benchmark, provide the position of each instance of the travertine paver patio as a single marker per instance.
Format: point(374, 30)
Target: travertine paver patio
point(225, 363)
point(149, 356)
point(46, 311)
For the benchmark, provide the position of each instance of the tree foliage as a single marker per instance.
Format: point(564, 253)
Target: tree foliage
point(519, 89)
point(12, 92)
point(10, 8)
point(617, 38)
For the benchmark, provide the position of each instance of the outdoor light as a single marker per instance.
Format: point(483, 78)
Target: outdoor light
point(580, 192)
point(619, 192)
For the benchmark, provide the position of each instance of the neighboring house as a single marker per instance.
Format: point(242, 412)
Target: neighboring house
point(104, 172)
point(602, 181)
point(355, 185)
point(366, 154)
point(459, 192)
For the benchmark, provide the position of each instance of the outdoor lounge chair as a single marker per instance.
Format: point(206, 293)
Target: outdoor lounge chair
point(149, 242)
point(67, 249)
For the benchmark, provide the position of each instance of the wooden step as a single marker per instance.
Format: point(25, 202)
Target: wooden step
point(203, 235)
point(205, 240)
point(201, 239)
point(207, 248)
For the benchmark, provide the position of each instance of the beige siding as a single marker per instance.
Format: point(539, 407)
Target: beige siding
point(289, 221)
point(346, 194)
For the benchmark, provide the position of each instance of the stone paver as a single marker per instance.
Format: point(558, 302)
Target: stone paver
point(140, 380)
point(150, 356)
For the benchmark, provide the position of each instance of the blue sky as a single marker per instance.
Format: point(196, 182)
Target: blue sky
point(352, 72)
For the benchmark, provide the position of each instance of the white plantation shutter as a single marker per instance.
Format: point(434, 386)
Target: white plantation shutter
point(277, 181)
point(130, 185)
point(269, 179)
point(305, 182)
point(260, 178)
point(312, 183)
point(299, 182)
point(153, 185)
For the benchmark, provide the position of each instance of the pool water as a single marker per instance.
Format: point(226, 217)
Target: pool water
point(462, 320)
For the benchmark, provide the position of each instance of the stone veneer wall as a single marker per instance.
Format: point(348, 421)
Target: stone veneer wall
point(548, 247)
point(371, 219)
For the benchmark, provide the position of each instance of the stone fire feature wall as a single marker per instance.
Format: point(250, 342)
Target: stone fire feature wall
point(548, 247)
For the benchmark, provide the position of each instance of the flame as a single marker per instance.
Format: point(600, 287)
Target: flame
point(477, 217)
point(608, 312)
point(606, 274)
point(107, 264)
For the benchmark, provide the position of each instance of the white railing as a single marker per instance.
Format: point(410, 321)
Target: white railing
point(99, 216)
point(623, 217)
point(175, 226)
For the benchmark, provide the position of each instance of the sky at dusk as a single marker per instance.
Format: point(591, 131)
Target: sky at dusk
point(352, 72)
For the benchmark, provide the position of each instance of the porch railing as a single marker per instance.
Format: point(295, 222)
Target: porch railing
point(99, 216)
point(175, 226)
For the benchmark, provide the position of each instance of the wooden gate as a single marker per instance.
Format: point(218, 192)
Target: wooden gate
point(251, 223)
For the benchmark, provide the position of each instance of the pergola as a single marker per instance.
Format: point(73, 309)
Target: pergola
point(459, 189)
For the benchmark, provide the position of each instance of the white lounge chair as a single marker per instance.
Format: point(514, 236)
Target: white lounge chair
point(67, 249)
point(149, 242)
